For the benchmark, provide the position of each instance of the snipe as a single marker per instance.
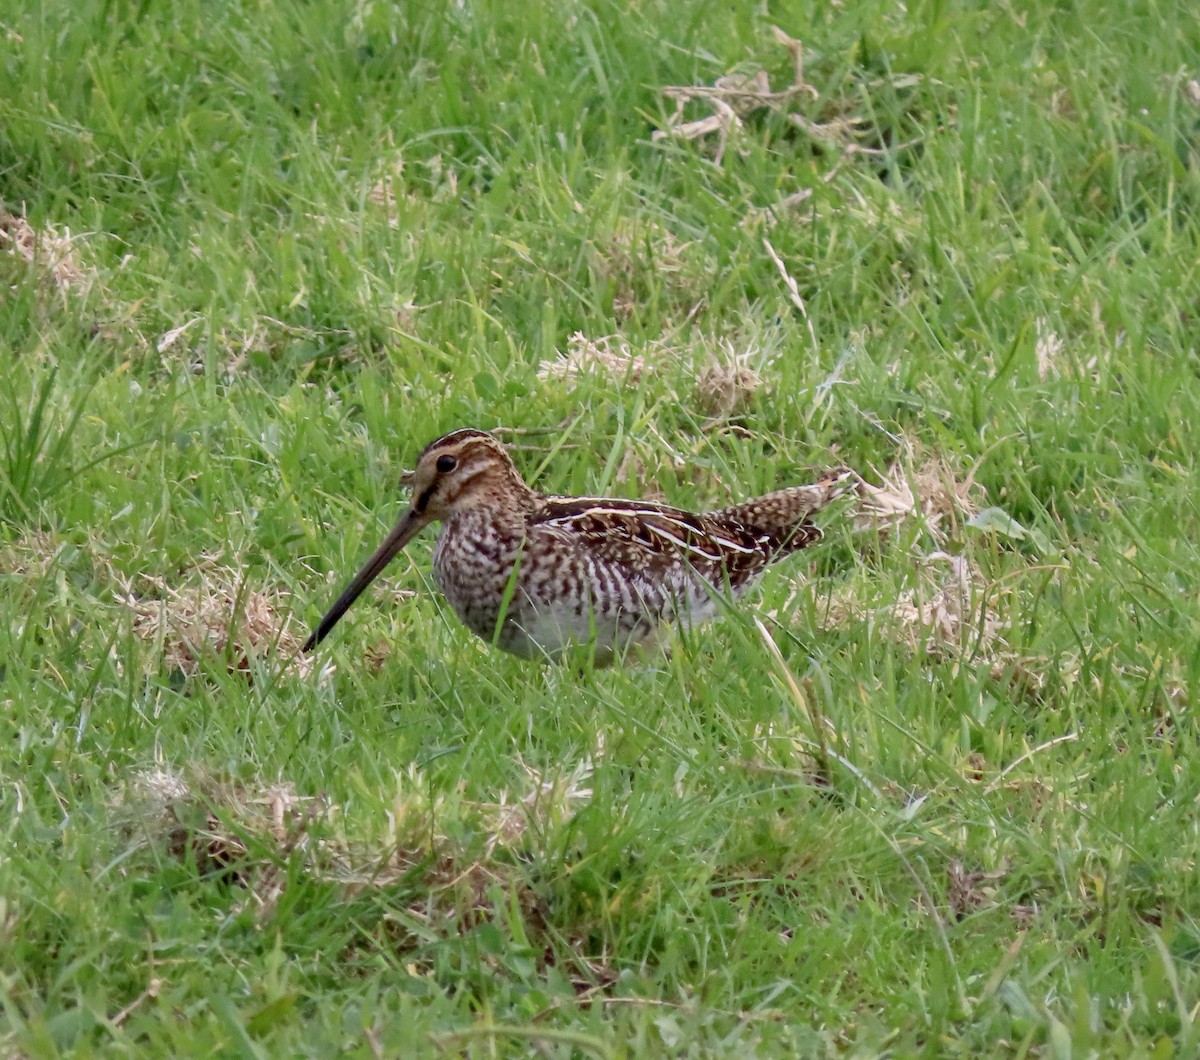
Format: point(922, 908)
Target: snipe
point(535, 574)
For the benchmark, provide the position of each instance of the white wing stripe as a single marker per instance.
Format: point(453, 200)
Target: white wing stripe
point(680, 543)
point(733, 546)
point(652, 518)
point(626, 513)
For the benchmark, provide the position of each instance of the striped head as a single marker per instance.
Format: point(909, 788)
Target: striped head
point(463, 471)
point(460, 471)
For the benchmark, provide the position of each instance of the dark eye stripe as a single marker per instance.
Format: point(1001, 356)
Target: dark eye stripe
point(423, 499)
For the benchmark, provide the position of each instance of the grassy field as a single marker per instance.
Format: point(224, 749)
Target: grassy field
point(932, 791)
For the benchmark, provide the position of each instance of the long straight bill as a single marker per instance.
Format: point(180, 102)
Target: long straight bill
point(409, 526)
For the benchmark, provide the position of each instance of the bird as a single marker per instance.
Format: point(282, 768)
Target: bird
point(534, 574)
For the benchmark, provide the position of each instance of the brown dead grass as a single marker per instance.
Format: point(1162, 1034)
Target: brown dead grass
point(924, 486)
point(607, 356)
point(547, 801)
point(222, 822)
point(1053, 354)
point(217, 616)
point(952, 608)
point(953, 611)
point(49, 252)
point(642, 257)
point(734, 97)
point(971, 891)
point(235, 832)
point(189, 343)
point(388, 191)
point(1048, 351)
point(31, 555)
point(725, 379)
point(251, 835)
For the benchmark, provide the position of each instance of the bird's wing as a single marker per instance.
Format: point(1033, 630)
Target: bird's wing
point(643, 536)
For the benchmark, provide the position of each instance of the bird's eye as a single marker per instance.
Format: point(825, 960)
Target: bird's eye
point(446, 463)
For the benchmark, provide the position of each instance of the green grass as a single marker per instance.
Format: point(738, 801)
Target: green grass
point(999, 268)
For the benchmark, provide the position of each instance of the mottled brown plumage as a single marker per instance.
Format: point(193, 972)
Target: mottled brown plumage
point(536, 573)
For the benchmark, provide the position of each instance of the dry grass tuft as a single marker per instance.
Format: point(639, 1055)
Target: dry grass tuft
point(1048, 351)
point(388, 190)
point(219, 617)
point(724, 379)
point(934, 491)
point(251, 834)
point(728, 380)
point(49, 251)
point(239, 833)
point(952, 609)
point(641, 256)
point(954, 612)
point(608, 356)
point(970, 892)
point(885, 506)
point(31, 555)
point(946, 499)
point(736, 96)
point(548, 802)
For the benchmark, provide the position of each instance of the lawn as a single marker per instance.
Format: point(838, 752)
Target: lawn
point(932, 790)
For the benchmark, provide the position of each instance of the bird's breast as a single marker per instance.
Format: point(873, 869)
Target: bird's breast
point(472, 564)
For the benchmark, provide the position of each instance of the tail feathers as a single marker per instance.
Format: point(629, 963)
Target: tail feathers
point(782, 520)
